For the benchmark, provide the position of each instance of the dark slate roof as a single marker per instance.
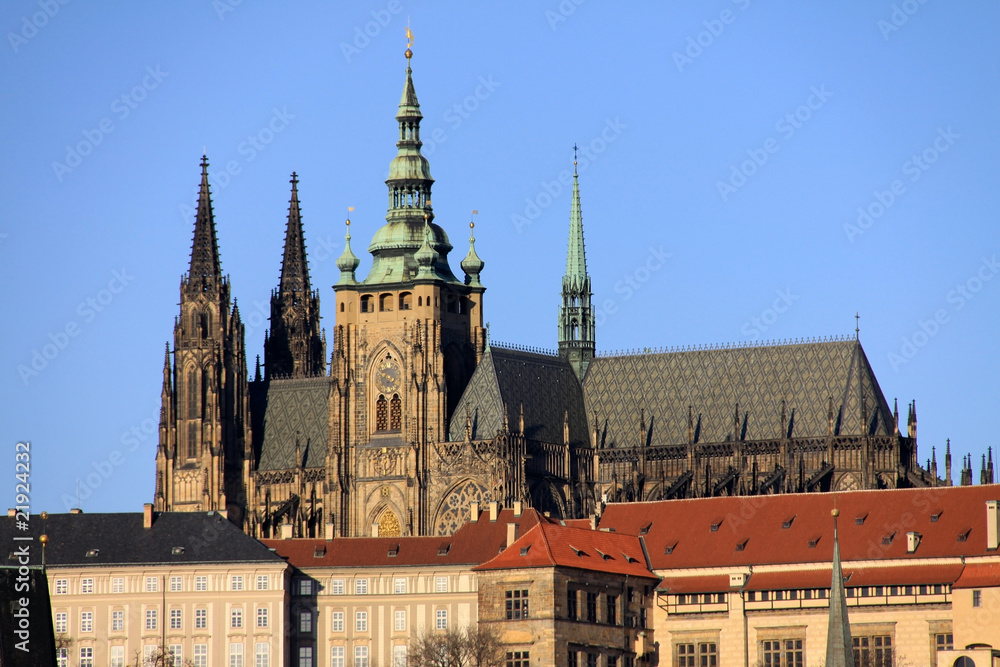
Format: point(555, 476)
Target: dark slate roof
point(618, 389)
point(293, 409)
point(120, 539)
point(544, 385)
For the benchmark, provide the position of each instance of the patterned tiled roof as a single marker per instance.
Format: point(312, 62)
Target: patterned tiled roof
point(805, 376)
point(295, 409)
point(544, 386)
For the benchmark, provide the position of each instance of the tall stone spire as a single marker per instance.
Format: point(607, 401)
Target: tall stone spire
point(205, 271)
point(839, 649)
point(294, 269)
point(294, 346)
point(576, 317)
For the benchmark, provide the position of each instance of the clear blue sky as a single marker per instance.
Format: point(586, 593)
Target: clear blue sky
point(738, 137)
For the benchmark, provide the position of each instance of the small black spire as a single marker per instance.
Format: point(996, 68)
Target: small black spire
point(294, 268)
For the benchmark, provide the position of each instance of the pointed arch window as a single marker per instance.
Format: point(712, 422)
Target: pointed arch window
point(192, 440)
point(193, 389)
point(395, 413)
point(381, 414)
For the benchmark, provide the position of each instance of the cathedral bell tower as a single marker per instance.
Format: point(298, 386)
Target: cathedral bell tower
point(406, 341)
point(576, 317)
point(201, 457)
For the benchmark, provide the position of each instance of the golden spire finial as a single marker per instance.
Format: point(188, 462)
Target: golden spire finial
point(409, 41)
point(472, 222)
point(350, 209)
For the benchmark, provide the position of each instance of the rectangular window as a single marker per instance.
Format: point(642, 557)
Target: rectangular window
point(441, 584)
point(86, 621)
point(399, 655)
point(708, 654)
point(118, 620)
point(611, 616)
point(685, 655)
point(118, 585)
point(337, 587)
point(305, 587)
point(236, 655)
point(150, 619)
point(175, 619)
point(262, 654)
point(175, 585)
point(86, 657)
point(592, 607)
point(62, 622)
point(517, 659)
point(201, 583)
point(117, 656)
point(305, 656)
point(944, 641)
point(591, 660)
point(573, 661)
point(873, 651)
point(361, 621)
point(360, 656)
point(263, 582)
point(62, 657)
point(175, 656)
point(87, 585)
point(338, 621)
point(261, 617)
point(337, 656)
point(571, 612)
point(200, 618)
point(399, 623)
point(152, 585)
point(62, 586)
point(441, 619)
point(517, 604)
point(201, 655)
point(361, 587)
point(236, 618)
point(305, 621)
point(794, 655)
point(236, 582)
point(399, 586)
point(977, 598)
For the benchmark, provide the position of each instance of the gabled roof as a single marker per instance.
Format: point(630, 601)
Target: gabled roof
point(979, 575)
point(553, 545)
point(293, 410)
point(805, 376)
point(545, 387)
point(93, 540)
point(780, 528)
point(473, 543)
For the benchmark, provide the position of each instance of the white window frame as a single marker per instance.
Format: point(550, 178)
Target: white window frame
point(117, 656)
point(262, 654)
point(86, 585)
point(399, 586)
point(152, 620)
point(201, 583)
point(263, 582)
point(236, 617)
point(61, 625)
point(361, 656)
point(201, 655)
point(176, 584)
point(117, 620)
point(441, 584)
point(62, 586)
point(200, 618)
point(361, 586)
point(235, 654)
point(262, 617)
point(337, 656)
point(337, 621)
point(399, 620)
point(441, 619)
point(152, 585)
point(336, 587)
point(178, 616)
point(86, 621)
point(361, 621)
point(236, 582)
point(118, 585)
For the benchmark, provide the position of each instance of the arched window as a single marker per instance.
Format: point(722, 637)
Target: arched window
point(385, 302)
point(574, 330)
point(381, 414)
point(395, 413)
point(420, 301)
point(405, 301)
point(192, 440)
point(341, 306)
point(193, 389)
point(366, 304)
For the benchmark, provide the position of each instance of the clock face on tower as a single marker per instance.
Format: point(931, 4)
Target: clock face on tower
point(387, 377)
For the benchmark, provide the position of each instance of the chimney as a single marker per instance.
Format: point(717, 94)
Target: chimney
point(76, 510)
point(11, 512)
point(329, 530)
point(912, 541)
point(494, 511)
point(511, 533)
point(517, 508)
point(992, 525)
point(286, 531)
point(147, 515)
point(593, 522)
point(474, 512)
point(374, 530)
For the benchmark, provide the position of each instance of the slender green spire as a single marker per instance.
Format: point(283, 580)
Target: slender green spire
point(576, 317)
point(576, 256)
point(839, 649)
point(348, 261)
point(472, 265)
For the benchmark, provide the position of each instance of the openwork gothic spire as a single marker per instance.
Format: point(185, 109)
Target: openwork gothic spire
point(294, 268)
point(206, 270)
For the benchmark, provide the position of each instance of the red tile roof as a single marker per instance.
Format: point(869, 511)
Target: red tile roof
point(780, 528)
point(979, 575)
point(553, 545)
point(711, 583)
point(475, 542)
